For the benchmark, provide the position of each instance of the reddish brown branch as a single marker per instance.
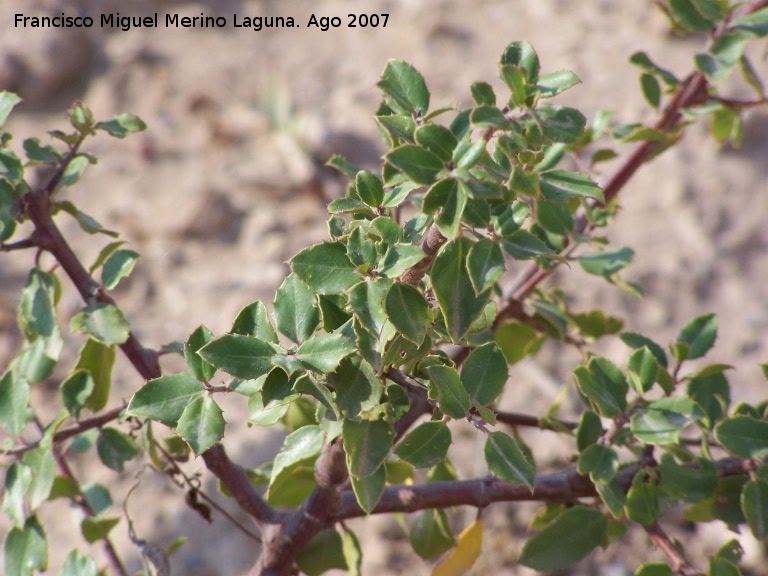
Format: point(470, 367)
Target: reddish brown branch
point(432, 242)
point(65, 434)
point(85, 506)
point(675, 556)
point(317, 513)
point(556, 487)
point(144, 360)
point(237, 481)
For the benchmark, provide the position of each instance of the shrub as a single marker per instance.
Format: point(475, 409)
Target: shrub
point(406, 319)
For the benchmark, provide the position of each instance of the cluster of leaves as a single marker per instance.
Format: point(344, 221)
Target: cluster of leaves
point(401, 313)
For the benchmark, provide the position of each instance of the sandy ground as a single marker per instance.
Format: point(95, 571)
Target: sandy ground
point(225, 186)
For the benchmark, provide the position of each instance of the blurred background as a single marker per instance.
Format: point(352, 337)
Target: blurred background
point(228, 183)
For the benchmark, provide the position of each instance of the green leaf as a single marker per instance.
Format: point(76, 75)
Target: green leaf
point(398, 194)
point(76, 565)
point(482, 94)
point(700, 334)
point(367, 302)
point(563, 124)
point(447, 196)
point(554, 217)
point(11, 167)
point(437, 139)
point(516, 340)
point(566, 540)
point(298, 446)
point(754, 25)
point(7, 102)
point(452, 397)
point(404, 88)
point(425, 445)
point(369, 188)
point(25, 549)
point(642, 60)
point(606, 262)
point(115, 448)
point(723, 58)
point(642, 505)
point(654, 569)
point(431, 534)
point(408, 311)
point(37, 360)
point(307, 385)
point(333, 310)
point(642, 369)
point(560, 185)
point(523, 245)
point(684, 12)
point(17, 481)
point(353, 553)
point(348, 206)
point(367, 444)
point(550, 85)
point(37, 310)
point(201, 424)
point(722, 567)
point(397, 127)
point(43, 466)
point(97, 528)
point(325, 268)
point(117, 266)
point(122, 125)
point(600, 462)
point(164, 399)
point(484, 373)
point(589, 430)
point(72, 174)
point(398, 258)
point(661, 422)
point(358, 387)
point(613, 497)
point(523, 55)
point(323, 352)
point(453, 288)
point(506, 460)
point(604, 384)
point(76, 390)
point(368, 490)
point(743, 436)
point(489, 117)
point(485, 264)
point(14, 395)
point(295, 309)
point(97, 359)
point(200, 369)
point(419, 164)
point(39, 154)
point(634, 340)
point(324, 552)
point(104, 322)
point(651, 89)
point(254, 321)
point(754, 504)
point(467, 154)
point(262, 415)
point(689, 483)
point(713, 394)
point(242, 356)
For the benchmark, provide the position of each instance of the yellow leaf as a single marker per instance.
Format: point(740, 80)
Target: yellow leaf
point(463, 556)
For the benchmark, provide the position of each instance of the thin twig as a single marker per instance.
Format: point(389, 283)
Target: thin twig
point(85, 506)
point(67, 433)
point(675, 556)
